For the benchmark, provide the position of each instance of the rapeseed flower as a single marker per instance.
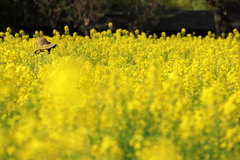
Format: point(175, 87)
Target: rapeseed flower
point(120, 95)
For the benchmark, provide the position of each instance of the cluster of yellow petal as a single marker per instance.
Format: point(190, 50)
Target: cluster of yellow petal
point(120, 95)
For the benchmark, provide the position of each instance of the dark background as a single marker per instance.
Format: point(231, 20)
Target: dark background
point(150, 16)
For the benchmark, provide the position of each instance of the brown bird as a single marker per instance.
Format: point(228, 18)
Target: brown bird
point(42, 44)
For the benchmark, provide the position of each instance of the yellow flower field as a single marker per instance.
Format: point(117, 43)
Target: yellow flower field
point(120, 96)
